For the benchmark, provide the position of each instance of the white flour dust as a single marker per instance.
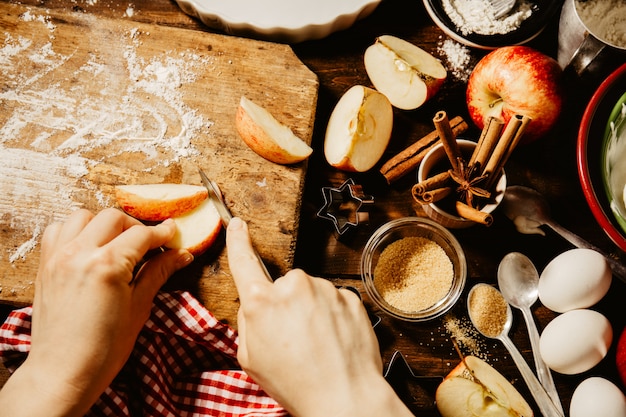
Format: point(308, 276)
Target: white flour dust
point(52, 127)
point(477, 16)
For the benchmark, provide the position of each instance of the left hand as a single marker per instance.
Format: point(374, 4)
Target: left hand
point(87, 313)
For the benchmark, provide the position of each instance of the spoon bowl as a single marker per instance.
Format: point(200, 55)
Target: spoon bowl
point(528, 210)
point(543, 400)
point(518, 280)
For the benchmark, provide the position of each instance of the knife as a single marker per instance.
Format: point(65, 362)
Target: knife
point(216, 196)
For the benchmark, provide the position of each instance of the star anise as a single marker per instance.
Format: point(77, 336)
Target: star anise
point(468, 183)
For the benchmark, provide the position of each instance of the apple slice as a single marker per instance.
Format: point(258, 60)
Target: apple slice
point(475, 388)
point(358, 130)
point(157, 202)
point(405, 73)
point(267, 136)
point(197, 229)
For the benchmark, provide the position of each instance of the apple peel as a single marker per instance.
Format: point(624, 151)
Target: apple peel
point(268, 137)
point(157, 202)
point(405, 73)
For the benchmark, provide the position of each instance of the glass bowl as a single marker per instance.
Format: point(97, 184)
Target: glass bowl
point(396, 230)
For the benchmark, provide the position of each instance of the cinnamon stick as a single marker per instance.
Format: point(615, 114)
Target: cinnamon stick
point(513, 132)
point(432, 195)
point(486, 143)
point(448, 139)
point(473, 214)
point(430, 183)
point(409, 159)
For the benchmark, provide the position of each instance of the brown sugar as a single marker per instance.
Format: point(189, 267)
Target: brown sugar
point(413, 274)
point(488, 310)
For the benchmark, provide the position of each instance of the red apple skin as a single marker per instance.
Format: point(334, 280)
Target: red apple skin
point(516, 80)
point(620, 356)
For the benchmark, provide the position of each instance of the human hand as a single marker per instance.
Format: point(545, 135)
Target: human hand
point(86, 313)
point(309, 345)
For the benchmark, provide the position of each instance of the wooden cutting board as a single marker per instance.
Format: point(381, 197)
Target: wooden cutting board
point(88, 103)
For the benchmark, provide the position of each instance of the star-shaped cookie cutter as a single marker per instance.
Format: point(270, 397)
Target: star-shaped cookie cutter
point(417, 392)
point(342, 205)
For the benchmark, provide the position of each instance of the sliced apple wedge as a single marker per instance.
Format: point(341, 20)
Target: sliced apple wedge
point(157, 202)
point(198, 229)
point(475, 388)
point(267, 136)
point(358, 130)
point(405, 73)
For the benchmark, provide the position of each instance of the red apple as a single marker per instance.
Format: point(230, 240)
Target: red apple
point(620, 356)
point(516, 80)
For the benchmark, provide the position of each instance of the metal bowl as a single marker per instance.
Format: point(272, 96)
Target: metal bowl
point(396, 230)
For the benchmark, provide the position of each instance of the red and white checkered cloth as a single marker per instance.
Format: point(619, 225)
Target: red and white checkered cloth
point(183, 364)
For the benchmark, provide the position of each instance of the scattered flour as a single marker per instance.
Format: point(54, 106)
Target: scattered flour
point(457, 59)
point(606, 19)
point(51, 127)
point(477, 16)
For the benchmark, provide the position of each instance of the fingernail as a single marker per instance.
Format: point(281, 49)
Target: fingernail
point(235, 223)
point(183, 260)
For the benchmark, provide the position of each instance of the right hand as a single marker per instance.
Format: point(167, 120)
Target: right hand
point(309, 345)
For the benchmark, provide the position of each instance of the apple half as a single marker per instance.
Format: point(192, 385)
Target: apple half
point(268, 137)
point(475, 388)
point(157, 202)
point(359, 129)
point(403, 72)
point(198, 229)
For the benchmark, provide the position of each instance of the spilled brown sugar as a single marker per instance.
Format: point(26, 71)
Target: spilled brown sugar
point(413, 274)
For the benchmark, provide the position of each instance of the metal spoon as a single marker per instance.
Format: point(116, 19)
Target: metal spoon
point(501, 7)
point(543, 400)
point(518, 281)
point(524, 202)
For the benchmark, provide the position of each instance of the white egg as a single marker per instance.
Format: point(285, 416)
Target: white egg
point(597, 396)
point(576, 341)
point(577, 278)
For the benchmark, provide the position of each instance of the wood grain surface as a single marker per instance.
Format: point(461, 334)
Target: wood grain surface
point(548, 166)
point(91, 102)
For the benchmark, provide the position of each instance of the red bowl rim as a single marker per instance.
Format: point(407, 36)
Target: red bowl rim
point(583, 168)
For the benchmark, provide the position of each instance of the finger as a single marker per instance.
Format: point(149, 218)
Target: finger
point(106, 226)
point(133, 243)
point(248, 273)
point(50, 241)
point(74, 225)
point(156, 271)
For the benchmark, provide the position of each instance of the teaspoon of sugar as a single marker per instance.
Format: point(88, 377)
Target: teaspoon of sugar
point(492, 317)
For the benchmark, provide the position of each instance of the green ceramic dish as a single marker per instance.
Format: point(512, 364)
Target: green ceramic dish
point(614, 161)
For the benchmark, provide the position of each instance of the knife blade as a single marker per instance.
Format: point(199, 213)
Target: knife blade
point(216, 196)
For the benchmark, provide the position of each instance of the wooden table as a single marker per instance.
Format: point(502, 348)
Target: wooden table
point(548, 166)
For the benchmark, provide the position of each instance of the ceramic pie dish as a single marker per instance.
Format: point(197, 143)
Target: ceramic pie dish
point(542, 12)
point(591, 151)
point(289, 21)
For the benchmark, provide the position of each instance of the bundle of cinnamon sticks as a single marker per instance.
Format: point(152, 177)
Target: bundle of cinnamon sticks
point(472, 182)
